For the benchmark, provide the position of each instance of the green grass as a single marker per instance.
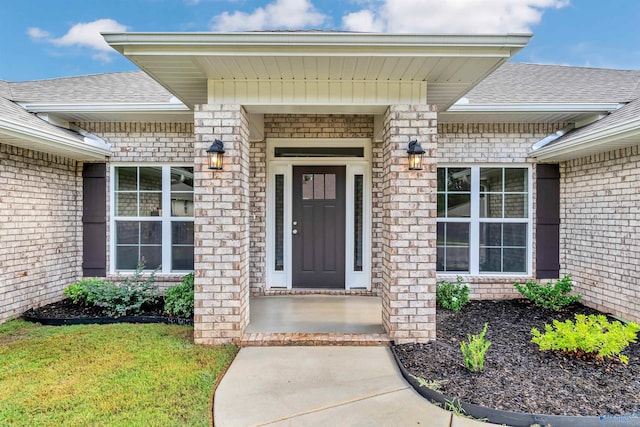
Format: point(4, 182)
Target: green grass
point(98, 375)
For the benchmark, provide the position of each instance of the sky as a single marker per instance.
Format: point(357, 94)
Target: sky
point(42, 39)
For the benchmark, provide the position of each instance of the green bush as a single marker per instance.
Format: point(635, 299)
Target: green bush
point(178, 300)
point(551, 296)
point(592, 336)
point(126, 297)
point(78, 292)
point(474, 350)
point(452, 295)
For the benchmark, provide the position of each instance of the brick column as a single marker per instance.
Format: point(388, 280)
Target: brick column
point(409, 226)
point(221, 226)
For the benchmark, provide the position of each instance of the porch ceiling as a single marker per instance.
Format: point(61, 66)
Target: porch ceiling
point(184, 62)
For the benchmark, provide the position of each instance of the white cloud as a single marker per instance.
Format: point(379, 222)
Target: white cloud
point(37, 33)
point(84, 34)
point(280, 14)
point(363, 20)
point(450, 16)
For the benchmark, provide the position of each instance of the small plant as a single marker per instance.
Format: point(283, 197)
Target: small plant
point(474, 350)
point(126, 297)
point(452, 296)
point(592, 335)
point(78, 292)
point(433, 385)
point(455, 405)
point(550, 296)
point(178, 300)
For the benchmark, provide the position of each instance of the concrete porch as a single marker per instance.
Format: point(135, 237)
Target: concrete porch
point(315, 320)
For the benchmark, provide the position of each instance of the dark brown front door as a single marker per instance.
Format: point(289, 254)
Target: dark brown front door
point(318, 226)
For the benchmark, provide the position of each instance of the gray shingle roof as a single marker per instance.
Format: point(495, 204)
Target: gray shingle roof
point(129, 87)
point(516, 83)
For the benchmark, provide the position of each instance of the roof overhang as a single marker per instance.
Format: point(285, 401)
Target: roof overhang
point(115, 112)
point(75, 147)
point(186, 64)
point(611, 138)
point(525, 113)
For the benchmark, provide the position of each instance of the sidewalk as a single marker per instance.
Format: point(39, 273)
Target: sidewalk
point(322, 386)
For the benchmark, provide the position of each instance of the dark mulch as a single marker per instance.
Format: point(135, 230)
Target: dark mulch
point(67, 309)
point(68, 313)
point(518, 376)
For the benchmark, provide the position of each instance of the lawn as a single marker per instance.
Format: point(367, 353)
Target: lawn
point(116, 375)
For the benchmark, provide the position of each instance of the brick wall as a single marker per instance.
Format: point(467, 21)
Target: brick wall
point(317, 126)
point(144, 143)
point(474, 143)
point(600, 229)
point(257, 219)
point(408, 226)
point(40, 228)
point(222, 243)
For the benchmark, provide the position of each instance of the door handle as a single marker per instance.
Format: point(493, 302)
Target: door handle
point(294, 231)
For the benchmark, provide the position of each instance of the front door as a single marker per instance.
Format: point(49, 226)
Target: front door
point(318, 241)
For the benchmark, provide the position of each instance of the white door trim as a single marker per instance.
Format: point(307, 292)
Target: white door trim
point(284, 166)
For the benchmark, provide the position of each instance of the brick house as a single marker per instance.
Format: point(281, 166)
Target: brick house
point(528, 172)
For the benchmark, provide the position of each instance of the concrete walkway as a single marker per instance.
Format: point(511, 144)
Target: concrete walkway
point(322, 386)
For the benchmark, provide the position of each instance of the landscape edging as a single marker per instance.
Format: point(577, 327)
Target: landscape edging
point(515, 419)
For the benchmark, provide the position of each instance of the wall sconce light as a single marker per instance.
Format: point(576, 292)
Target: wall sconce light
point(216, 153)
point(415, 156)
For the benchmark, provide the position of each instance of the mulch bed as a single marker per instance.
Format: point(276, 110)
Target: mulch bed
point(517, 375)
point(66, 313)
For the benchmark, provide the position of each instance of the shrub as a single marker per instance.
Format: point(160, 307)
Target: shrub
point(551, 296)
point(126, 297)
point(474, 351)
point(178, 300)
point(592, 336)
point(78, 292)
point(452, 295)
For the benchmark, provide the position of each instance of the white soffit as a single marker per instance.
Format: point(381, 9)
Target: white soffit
point(184, 62)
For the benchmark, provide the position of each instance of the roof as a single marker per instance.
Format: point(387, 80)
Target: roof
point(609, 100)
point(518, 83)
point(533, 93)
point(128, 87)
point(300, 70)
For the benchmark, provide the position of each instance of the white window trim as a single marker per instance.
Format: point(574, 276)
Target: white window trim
point(474, 220)
point(284, 166)
point(165, 218)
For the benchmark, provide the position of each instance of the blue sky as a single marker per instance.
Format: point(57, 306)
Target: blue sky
point(42, 39)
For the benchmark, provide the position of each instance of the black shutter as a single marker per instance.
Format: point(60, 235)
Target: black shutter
point(547, 221)
point(94, 219)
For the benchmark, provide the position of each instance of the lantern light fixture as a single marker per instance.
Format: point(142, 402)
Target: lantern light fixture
point(415, 152)
point(215, 154)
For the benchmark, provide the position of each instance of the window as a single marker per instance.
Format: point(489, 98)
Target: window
point(484, 220)
point(153, 218)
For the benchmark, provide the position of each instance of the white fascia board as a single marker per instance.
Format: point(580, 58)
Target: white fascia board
point(590, 140)
point(85, 148)
point(287, 43)
point(106, 108)
point(535, 108)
